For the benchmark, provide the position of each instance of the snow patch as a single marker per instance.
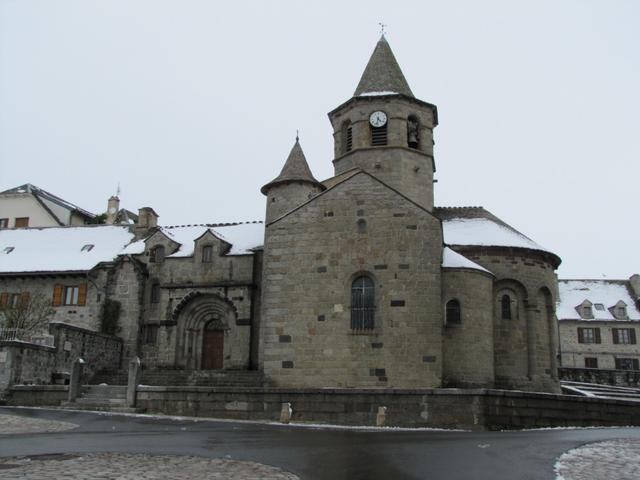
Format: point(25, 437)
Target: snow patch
point(377, 94)
point(452, 259)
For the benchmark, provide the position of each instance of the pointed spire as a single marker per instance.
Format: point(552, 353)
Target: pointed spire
point(296, 169)
point(383, 74)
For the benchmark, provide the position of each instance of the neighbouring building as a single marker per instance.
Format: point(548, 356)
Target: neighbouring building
point(30, 206)
point(599, 323)
point(355, 281)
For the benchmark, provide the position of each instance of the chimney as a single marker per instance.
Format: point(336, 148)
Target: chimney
point(634, 280)
point(113, 207)
point(147, 218)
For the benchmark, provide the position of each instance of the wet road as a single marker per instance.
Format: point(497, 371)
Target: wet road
point(315, 453)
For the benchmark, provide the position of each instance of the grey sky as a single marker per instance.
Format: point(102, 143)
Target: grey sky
point(193, 105)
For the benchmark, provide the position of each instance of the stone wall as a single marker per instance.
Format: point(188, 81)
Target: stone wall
point(311, 257)
point(25, 363)
point(468, 346)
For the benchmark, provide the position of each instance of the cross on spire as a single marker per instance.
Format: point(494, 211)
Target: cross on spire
point(382, 27)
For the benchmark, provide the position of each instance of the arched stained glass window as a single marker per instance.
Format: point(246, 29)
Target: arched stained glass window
point(453, 312)
point(362, 303)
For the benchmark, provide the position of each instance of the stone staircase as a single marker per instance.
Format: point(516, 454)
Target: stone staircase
point(192, 378)
point(102, 398)
point(600, 391)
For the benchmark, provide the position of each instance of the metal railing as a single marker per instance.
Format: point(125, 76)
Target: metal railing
point(21, 335)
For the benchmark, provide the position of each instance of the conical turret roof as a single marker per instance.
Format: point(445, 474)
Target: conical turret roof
point(383, 74)
point(296, 169)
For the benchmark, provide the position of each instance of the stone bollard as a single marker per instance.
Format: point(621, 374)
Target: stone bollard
point(285, 413)
point(133, 379)
point(381, 417)
point(75, 382)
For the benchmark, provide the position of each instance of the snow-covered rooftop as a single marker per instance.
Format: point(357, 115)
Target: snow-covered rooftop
point(60, 249)
point(451, 259)
point(604, 292)
point(486, 232)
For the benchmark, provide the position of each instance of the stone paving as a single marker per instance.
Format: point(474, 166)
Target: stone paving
point(610, 460)
point(122, 466)
point(15, 424)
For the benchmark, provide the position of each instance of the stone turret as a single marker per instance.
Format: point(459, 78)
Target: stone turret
point(294, 186)
point(113, 207)
point(384, 130)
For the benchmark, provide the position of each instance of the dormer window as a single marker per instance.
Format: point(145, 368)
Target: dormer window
point(587, 311)
point(599, 306)
point(157, 254)
point(620, 310)
point(87, 248)
point(207, 254)
point(8, 250)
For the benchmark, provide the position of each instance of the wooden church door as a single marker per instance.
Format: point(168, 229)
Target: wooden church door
point(212, 349)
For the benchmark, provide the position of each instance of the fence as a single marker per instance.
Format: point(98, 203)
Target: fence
point(21, 335)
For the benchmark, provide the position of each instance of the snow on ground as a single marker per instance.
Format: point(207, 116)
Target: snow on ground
point(606, 292)
point(451, 259)
point(60, 249)
point(611, 460)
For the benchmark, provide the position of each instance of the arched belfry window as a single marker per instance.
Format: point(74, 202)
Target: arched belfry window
point(362, 303)
point(413, 132)
point(347, 136)
point(505, 307)
point(453, 316)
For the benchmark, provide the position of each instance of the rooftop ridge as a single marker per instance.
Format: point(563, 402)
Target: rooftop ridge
point(213, 225)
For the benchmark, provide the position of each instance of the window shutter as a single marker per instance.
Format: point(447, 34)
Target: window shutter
point(597, 335)
point(24, 299)
point(632, 335)
point(580, 335)
point(57, 295)
point(614, 332)
point(4, 299)
point(82, 294)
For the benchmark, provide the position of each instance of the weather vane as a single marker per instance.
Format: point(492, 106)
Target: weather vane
point(382, 27)
point(297, 135)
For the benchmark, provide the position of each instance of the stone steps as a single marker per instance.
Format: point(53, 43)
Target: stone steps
point(198, 378)
point(602, 391)
point(107, 398)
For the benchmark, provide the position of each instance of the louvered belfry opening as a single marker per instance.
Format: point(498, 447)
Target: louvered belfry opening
point(362, 304)
point(378, 136)
point(349, 139)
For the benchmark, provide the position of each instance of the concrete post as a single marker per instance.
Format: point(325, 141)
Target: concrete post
point(285, 413)
point(132, 381)
point(381, 417)
point(75, 382)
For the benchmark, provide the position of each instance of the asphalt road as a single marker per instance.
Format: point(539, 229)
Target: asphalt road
point(316, 453)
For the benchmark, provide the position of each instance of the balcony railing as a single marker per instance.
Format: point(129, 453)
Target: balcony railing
point(20, 335)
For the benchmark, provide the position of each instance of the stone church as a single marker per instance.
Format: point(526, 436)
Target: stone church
point(354, 281)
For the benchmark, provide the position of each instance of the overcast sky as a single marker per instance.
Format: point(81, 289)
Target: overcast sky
point(191, 106)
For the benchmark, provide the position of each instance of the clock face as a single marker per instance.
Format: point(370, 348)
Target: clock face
point(378, 119)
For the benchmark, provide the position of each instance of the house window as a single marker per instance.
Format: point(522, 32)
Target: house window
point(15, 300)
point(22, 222)
point(4, 223)
point(157, 254)
point(590, 362)
point(150, 334)
point(379, 136)
point(362, 303)
point(626, 336)
point(87, 248)
point(588, 335)
point(627, 364)
point(207, 254)
point(505, 307)
point(587, 311)
point(453, 313)
point(413, 132)
point(69, 295)
point(155, 293)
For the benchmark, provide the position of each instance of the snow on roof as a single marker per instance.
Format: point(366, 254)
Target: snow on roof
point(60, 249)
point(452, 259)
point(377, 94)
point(37, 191)
point(243, 237)
point(605, 292)
point(484, 231)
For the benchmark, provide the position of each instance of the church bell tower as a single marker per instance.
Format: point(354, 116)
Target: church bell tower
point(384, 130)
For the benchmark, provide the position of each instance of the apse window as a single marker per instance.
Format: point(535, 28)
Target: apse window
point(453, 316)
point(505, 307)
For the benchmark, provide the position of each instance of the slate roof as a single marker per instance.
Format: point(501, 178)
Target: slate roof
point(605, 292)
point(382, 74)
point(41, 195)
point(296, 169)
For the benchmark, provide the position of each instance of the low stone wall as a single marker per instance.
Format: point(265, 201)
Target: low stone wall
point(26, 363)
point(619, 378)
point(442, 408)
point(37, 395)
